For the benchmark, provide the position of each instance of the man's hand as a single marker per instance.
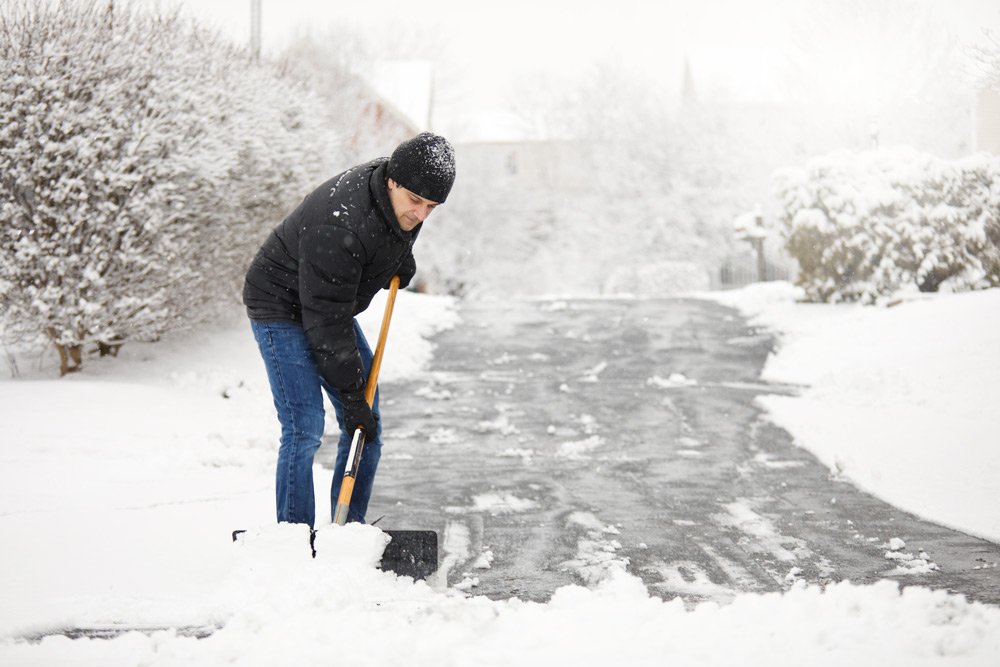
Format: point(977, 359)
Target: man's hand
point(406, 271)
point(358, 414)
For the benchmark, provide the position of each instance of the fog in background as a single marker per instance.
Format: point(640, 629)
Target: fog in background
point(607, 147)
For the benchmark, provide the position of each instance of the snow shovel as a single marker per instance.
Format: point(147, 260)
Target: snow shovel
point(411, 553)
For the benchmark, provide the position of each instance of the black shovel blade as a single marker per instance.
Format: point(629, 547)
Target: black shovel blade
point(411, 553)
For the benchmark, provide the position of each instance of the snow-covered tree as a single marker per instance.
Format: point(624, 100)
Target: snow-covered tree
point(986, 61)
point(141, 160)
point(864, 225)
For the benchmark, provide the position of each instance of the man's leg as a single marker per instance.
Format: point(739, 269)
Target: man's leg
point(295, 385)
point(364, 476)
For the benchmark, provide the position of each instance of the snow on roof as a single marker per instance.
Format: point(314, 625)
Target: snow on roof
point(408, 85)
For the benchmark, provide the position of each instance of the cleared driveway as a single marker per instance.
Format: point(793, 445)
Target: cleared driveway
point(552, 440)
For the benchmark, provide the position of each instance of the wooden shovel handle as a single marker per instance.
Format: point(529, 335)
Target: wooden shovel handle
point(358, 443)
point(380, 347)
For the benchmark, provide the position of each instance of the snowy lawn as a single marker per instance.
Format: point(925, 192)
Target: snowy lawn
point(119, 487)
point(903, 401)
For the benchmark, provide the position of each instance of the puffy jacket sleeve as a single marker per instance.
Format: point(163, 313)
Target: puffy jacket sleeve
point(330, 263)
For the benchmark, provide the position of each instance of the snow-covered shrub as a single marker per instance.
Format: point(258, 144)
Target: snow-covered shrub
point(864, 225)
point(140, 160)
point(953, 232)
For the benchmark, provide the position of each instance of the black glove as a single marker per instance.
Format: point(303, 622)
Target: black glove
point(357, 413)
point(406, 271)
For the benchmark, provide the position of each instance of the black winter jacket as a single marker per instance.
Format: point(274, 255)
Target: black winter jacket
point(325, 263)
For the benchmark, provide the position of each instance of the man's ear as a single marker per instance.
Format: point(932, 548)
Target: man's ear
point(392, 184)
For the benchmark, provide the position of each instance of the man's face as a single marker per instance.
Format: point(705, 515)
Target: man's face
point(410, 209)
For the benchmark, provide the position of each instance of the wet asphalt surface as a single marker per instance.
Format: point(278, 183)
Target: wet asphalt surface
point(552, 440)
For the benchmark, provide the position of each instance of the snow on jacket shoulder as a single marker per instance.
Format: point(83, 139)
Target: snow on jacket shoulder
point(326, 261)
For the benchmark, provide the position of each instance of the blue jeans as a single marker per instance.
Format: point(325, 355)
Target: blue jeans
point(298, 389)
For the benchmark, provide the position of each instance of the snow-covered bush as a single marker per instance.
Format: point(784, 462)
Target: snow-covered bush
point(140, 161)
point(864, 225)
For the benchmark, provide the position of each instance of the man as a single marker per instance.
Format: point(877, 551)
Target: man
point(315, 272)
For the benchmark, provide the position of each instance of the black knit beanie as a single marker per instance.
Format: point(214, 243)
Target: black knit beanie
point(424, 165)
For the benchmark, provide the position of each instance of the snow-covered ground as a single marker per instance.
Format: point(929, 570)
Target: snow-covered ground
point(119, 487)
point(903, 401)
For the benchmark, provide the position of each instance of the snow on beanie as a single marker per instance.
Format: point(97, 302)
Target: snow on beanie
point(424, 165)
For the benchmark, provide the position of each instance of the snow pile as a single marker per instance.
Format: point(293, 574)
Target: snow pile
point(596, 553)
point(290, 609)
point(414, 320)
point(902, 400)
point(907, 562)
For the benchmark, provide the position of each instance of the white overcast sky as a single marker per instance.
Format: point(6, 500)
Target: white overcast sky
point(497, 34)
point(485, 46)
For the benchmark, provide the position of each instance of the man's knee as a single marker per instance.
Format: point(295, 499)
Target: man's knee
point(305, 429)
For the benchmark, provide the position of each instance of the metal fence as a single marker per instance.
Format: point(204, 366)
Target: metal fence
point(739, 272)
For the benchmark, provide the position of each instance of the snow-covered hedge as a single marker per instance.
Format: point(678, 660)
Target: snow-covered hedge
point(141, 160)
point(864, 225)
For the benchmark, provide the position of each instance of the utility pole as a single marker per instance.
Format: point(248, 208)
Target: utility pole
point(255, 30)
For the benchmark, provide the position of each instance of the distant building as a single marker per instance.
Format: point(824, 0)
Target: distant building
point(987, 128)
point(525, 166)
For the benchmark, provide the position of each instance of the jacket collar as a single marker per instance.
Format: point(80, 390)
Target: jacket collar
point(379, 186)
